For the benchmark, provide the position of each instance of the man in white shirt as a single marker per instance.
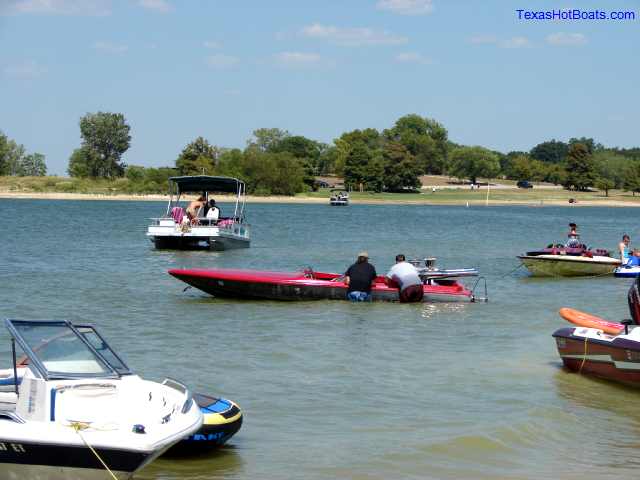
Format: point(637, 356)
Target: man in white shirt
point(214, 212)
point(406, 277)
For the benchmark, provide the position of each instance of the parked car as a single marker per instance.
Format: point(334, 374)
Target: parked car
point(524, 184)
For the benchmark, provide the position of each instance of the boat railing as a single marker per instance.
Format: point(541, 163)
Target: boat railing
point(202, 222)
point(182, 388)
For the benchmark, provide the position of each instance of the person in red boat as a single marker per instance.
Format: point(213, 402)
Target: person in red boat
point(359, 277)
point(406, 277)
point(574, 236)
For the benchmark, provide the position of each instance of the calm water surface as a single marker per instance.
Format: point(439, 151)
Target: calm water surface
point(340, 390)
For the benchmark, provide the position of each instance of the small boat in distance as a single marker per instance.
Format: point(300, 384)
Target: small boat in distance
point(306, 285)
point(176, 230)
point(561, 261)
point(604, 349)
point(339, 198)
point(71, 408)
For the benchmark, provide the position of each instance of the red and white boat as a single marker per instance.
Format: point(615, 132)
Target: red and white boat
point(601, 348)
point(306, 285)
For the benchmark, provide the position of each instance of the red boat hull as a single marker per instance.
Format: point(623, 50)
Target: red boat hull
point(617, 360)
point(251, 284)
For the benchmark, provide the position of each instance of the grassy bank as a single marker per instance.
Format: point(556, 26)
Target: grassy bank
point(505, 193)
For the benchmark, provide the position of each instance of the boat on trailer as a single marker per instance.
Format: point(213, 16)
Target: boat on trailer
point(307, 285)
point(175, 230)
point(561, 261)
point(602, 348)
point(71, 408)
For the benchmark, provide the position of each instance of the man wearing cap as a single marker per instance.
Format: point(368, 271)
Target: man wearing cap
point(359, 278)
point(405, 277)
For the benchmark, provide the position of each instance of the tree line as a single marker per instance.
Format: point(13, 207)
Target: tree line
point(392, 160)
point(15, 161)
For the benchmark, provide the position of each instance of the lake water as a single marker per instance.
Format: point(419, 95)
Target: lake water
point(340, 390)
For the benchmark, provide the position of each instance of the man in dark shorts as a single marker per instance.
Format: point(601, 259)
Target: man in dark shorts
point(359, 277)
point(406, 277)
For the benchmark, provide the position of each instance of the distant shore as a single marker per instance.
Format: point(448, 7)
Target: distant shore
point(302, 199)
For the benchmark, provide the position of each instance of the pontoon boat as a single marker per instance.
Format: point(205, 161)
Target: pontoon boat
point(219, 232)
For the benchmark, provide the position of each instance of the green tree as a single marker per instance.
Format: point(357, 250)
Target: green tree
point(368, 137)
point(401, 170)
point(266, 139)
point(473, 162)
point(356, 165)
point(581, 169)
point(4, 154)
point(556, 174)
point(590, 143)
point(305, 150)
point(11, 156)
point(83, 163)
point(231, 163)
point(106, 136)
point(611, 166)
point(632, 178)
point(605, 184)
point(197, 158)
point(552, 151)
point(424, 138)
point(33, 165)
point(521, 168)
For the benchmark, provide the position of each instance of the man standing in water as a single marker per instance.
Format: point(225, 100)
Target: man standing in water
point(406, 277)
point(359, 278)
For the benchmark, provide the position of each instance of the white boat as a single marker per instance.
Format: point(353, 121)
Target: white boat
point(176, 230)
point(339, 198)
point(569, 265)
point(70, 408)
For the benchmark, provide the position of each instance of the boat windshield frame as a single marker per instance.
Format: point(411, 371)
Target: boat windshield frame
point(37, 362)
point(123, 369)
point(208, 184)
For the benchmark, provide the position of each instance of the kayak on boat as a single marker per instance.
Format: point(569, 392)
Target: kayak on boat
point(306, 285)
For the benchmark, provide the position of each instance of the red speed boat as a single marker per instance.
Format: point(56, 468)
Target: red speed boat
point(602, 348)
point(306, 285)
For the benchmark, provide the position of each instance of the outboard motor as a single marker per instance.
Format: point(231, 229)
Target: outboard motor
point(633, 297)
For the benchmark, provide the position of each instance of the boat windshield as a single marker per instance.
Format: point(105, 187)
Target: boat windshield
point(57, 350)
point(102, 347)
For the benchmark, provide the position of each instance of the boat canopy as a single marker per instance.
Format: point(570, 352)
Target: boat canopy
point(206, 183)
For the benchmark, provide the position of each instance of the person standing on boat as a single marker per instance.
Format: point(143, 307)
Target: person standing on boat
point(359, 278)
point(625, 251)
point(574, 236)
point(406, 277)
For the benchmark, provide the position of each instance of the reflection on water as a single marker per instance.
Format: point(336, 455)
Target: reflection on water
point(225, 462)
point(430, 310)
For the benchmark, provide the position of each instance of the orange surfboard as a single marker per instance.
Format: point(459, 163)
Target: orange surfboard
point(590, 321)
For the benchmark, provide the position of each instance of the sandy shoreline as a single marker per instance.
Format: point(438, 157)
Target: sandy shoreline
point(312, 200)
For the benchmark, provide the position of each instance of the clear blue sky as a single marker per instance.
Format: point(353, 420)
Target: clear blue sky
point(220, 69)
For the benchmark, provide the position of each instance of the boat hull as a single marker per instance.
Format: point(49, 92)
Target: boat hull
point(568, 266)
point(627, 272)
point(211, 237)
point(288, 287)
point(615, 359)
point(221, 420)
point(37, 461)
